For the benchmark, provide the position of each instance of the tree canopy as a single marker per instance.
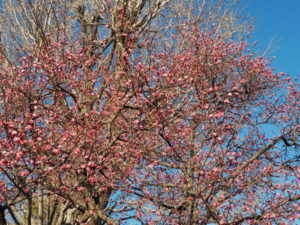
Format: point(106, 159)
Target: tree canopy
point(142, 112)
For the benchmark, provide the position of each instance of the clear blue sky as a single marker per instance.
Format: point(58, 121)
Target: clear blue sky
point(279, 19)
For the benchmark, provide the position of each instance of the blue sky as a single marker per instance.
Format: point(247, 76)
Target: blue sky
point(278, 20)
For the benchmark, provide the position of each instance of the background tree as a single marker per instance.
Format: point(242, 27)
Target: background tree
point(104, 24)
point(116, 112)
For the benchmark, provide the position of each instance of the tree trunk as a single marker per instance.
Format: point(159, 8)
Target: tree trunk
point(2, 215)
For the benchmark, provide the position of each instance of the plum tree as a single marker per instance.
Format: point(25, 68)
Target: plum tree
point(148, 122)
